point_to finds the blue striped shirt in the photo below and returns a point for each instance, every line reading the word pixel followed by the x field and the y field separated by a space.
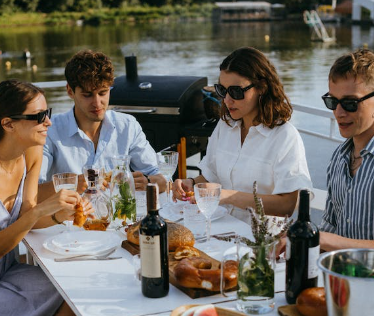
pixel 350 200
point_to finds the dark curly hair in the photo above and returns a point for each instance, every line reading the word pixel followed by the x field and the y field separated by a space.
pixel 359 63
pixel 14 97
pixel 89 70
pixel 274 106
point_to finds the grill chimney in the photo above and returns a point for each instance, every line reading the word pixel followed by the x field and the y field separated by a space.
pixel 131 67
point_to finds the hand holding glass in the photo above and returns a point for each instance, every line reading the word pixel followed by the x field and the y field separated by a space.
pixel 66 181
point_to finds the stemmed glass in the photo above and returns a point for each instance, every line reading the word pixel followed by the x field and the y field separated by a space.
pixel 167 164
pixel 207 197
pixel 67 181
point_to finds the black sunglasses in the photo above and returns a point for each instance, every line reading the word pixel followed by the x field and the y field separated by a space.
pixel 236 92
pixel 349 105
pixel 40 117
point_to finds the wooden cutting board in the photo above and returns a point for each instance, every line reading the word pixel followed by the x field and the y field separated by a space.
pixel 288 310
pixel 193 293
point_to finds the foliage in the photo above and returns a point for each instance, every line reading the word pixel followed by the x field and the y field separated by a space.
pixel 262 227
pixel 125 204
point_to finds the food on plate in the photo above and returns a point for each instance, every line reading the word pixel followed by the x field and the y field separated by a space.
pixel 312 301
pixel 79 217
pixel 185 252
pixel 201 310
pixel 178 235
pixel 196 272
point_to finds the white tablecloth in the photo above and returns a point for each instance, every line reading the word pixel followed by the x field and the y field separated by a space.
pixel 110 288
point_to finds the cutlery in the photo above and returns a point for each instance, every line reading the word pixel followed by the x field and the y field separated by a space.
pixel 86 258
pixel 217 236
pixel 98 256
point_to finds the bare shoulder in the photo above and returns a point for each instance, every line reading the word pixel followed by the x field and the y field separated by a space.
pixel 33 157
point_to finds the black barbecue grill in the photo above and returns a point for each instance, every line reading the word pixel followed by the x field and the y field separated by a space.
pixel 167 108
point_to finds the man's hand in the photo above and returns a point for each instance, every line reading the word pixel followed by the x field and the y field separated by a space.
pixel 140 181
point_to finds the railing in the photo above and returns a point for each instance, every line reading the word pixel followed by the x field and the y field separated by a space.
pixel 321 113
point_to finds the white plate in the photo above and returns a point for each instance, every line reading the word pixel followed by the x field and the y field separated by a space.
pixel 82 243
pixel 174 211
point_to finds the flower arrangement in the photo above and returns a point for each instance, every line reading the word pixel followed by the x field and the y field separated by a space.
pixel 265 230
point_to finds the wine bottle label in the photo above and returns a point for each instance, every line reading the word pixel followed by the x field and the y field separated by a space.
pixel 312 262
pixel 150 256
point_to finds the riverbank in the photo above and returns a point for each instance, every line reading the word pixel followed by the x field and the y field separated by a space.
pixel 130 14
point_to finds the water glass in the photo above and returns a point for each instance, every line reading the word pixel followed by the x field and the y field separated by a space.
pixel 194 220
pixel 137 267
pixel 141 204
pixel 207 197
pixel 167 162
pixel 66 181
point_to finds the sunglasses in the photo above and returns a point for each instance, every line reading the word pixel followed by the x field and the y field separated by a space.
pixel 40 117
pixel 349 105
pixel 235 92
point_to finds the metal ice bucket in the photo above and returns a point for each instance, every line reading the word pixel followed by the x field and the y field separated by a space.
pixel 349 281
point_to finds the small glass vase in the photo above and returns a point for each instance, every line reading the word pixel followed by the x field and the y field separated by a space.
pixel 256 280
pixel 122 188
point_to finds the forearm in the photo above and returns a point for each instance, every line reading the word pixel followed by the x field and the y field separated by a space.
pixel 277 204
pixel 329 242
pixel 45 190
pixel 11 236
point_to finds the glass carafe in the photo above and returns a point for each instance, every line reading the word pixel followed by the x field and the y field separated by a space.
pixel 100 203
pixel 123 191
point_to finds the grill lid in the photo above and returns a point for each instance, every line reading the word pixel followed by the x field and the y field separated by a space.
pixel 166 91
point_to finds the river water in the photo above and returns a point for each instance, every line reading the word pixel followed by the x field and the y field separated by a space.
pixel 184 49
pixel 193 49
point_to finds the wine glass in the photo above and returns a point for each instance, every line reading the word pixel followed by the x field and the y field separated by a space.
pixel 167 164
pixel 207 197
pixel 66 181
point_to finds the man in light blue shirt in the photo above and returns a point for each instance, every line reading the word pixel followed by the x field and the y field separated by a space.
pixel 90 134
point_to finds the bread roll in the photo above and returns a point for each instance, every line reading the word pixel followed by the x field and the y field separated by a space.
pixel 185 252
pixel 312 302
pixel 196 272
pixel 178 235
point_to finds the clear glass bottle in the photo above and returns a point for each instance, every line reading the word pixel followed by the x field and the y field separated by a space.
pixel 122 189
pixel 100 203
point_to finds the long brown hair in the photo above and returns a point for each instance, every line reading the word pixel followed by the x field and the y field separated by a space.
pixel 14 97
pixel 274 106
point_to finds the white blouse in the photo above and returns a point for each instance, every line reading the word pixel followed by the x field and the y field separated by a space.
pixel 275 158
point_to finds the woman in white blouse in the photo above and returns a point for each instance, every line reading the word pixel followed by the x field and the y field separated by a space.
pixel 253 141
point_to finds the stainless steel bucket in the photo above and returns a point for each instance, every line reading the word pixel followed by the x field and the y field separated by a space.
pixel 349 281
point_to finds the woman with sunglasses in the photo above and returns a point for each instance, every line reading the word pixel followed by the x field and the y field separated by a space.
pixel 253 141
pixel 25 289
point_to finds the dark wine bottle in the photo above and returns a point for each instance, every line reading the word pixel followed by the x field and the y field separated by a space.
pixel 154 248
pixel 302 252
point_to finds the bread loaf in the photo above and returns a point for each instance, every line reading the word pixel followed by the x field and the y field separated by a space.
pixel 178 235
pixel 312 301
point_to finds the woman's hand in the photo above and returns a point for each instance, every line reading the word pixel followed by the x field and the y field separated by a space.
pixel 180 189
pixel 281 247
pixel 62 202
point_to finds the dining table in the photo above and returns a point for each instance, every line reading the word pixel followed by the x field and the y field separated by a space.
pixel 109 287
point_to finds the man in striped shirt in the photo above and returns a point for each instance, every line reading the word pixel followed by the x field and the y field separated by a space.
pixel 348 221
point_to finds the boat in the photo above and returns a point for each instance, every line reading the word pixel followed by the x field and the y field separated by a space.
pixel 247 11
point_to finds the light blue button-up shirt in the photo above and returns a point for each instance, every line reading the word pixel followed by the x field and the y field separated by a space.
pixel 68 148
